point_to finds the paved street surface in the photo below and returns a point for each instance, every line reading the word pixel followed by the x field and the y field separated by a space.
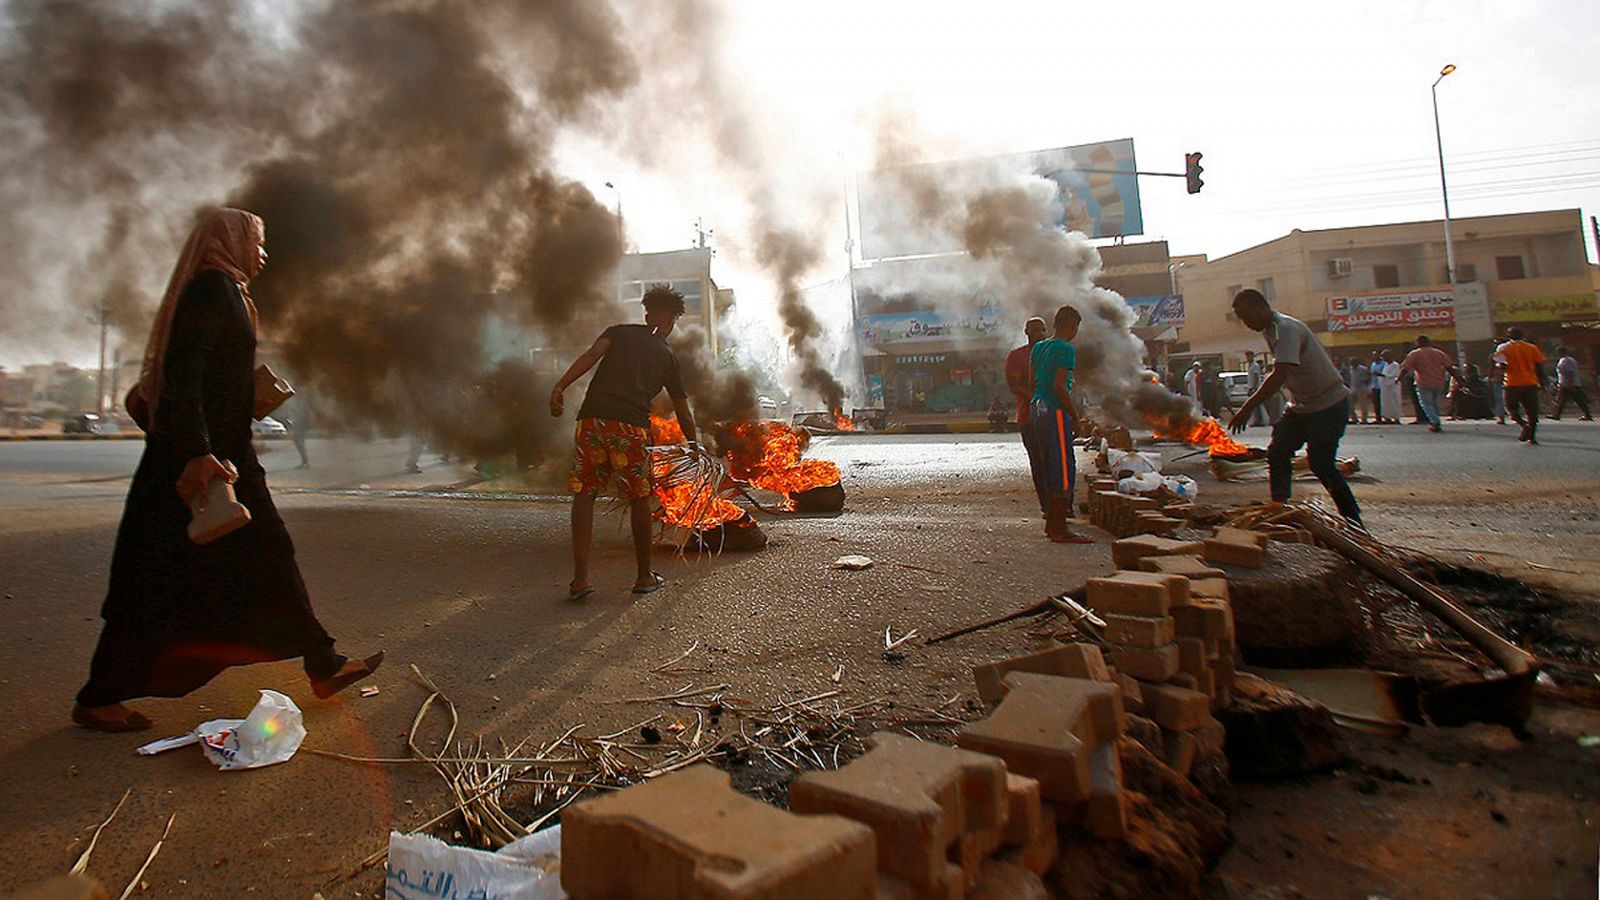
pixel 465 578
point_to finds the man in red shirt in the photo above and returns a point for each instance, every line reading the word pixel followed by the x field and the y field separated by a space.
pixel 1430 367
pixel 1019 378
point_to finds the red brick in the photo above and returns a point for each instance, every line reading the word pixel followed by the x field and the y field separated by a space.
pixel 1023 810
pixel 1064 660
pixel 1176 708
pixel 63 887
pixel 1149 664
pixel 919 798
pixel 1215 588
pixel 1132 697
pixel 1040 854
pixel 973 849
pixel 1139 631
pixel 1187 566
pixel 1192 655
pixel 690 835
pixel 1210 737
pixel 1107 812
pixel 1241 536
pixel 1181 750
pixel 1127 594
pixel 1177 585
pixel 1005 881
pixel 952 886
pixel 1235 552
pixel 1185 680
pixel 1127 552
pixel 1205 618
pixel 1045 729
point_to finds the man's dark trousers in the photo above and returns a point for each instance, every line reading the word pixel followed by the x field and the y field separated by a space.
pixel 1035 464
pixel 1319 432
pixel 1525 397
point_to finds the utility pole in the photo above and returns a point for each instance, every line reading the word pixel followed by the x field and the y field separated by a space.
pixel 100 318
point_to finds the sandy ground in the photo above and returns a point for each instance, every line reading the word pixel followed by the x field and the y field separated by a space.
pixel 471 592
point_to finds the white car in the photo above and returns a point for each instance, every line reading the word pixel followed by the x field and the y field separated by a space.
pixel 267 426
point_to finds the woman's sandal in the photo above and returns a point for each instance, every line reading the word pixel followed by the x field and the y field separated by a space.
pixel 133 721
pixel 658 581
pixel 575 593
pixel 341 680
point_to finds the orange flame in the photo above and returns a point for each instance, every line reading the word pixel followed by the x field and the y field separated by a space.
pixel 769 456
pixel 842 421
pixel 664 430
pixel 1207 433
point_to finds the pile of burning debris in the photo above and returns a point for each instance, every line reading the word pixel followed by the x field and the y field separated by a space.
pixel 695 487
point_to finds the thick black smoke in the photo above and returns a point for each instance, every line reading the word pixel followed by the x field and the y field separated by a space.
pixel 400 154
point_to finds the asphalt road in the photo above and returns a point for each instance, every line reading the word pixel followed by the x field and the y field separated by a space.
pixel 446 573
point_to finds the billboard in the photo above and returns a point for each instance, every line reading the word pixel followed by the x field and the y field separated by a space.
pixel 1097 191
pixel 1419 309
pixel 917 326
pixel 1159 311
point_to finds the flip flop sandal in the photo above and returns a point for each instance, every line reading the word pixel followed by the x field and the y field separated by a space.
pixel 133 721
pixel 579 593
pixel 658 584
pixel 326 689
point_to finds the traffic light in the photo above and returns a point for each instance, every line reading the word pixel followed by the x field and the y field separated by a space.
pixel 1192 170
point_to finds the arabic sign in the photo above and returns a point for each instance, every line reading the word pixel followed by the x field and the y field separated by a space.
pixel 1159 311
pixel 1566 308
pixel 928 325
pixel 1098 194
pixel 1422 309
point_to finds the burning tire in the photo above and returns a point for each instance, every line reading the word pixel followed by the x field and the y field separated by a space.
pixel 742 535
pixel 828 498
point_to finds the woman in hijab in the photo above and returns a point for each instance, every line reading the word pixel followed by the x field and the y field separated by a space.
pixel 177 613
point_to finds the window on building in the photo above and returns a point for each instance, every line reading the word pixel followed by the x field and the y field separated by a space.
pixel 1386 276
pixel 1464 272
pixel 1509 268
pixel 1233 291
pixel 1268 289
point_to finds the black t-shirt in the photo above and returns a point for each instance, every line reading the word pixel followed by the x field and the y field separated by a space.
pixel 635 369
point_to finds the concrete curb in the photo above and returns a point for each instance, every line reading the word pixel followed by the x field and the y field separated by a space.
pixel 944 428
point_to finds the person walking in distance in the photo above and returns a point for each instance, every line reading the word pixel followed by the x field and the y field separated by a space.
pixel 1497 383
pixel 613 432
pixel 1431 368
pixel 1569 386
pixel 1524 380
pixel 1019 378
pixel 178 612
pixel 1361 389
pixel 1191 382
pixel 1054 418
pixel 1376 370
pixel 1253 374
pixel 1320 409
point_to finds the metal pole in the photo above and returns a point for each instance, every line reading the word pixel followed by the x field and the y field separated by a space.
pixel 100 379
pixel 1444 189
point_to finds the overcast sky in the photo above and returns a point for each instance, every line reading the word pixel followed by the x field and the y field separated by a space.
pixel 1309 115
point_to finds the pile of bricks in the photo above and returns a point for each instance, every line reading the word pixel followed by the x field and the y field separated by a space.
pixel 1128 514
pixel 983 819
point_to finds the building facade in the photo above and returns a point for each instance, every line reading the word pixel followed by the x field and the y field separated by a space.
pixel 1378 287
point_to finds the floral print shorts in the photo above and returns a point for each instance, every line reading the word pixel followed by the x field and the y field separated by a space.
pixel 602 448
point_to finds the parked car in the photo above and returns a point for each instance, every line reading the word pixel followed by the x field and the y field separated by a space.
pixel 267 426
pixel 1237 384
pixel 769 408
pixel 88 423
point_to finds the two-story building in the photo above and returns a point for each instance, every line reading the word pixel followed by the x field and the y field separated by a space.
pixel 1377 287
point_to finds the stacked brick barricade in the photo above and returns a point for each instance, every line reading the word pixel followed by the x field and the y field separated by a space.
pixel 1099 772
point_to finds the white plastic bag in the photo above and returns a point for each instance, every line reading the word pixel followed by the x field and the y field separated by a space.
pixel 422 866
pixel 1181 486
pixel 1146 483
pixel 1133 462
pixel 269 735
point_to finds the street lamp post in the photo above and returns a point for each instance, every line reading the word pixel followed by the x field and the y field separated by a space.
pixel 1444 187
pixel 618 192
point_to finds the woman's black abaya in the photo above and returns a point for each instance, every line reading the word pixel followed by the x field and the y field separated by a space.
pixel 177 613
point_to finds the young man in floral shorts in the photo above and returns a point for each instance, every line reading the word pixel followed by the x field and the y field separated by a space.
pixel 613 433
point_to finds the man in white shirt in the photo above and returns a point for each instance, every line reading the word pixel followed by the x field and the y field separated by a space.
pixel 1569 386
pixel 1320 409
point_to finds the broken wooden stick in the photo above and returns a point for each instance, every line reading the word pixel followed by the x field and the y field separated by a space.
pixel 1043 606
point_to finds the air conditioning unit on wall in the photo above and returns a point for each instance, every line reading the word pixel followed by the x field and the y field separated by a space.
pixel 1340 267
